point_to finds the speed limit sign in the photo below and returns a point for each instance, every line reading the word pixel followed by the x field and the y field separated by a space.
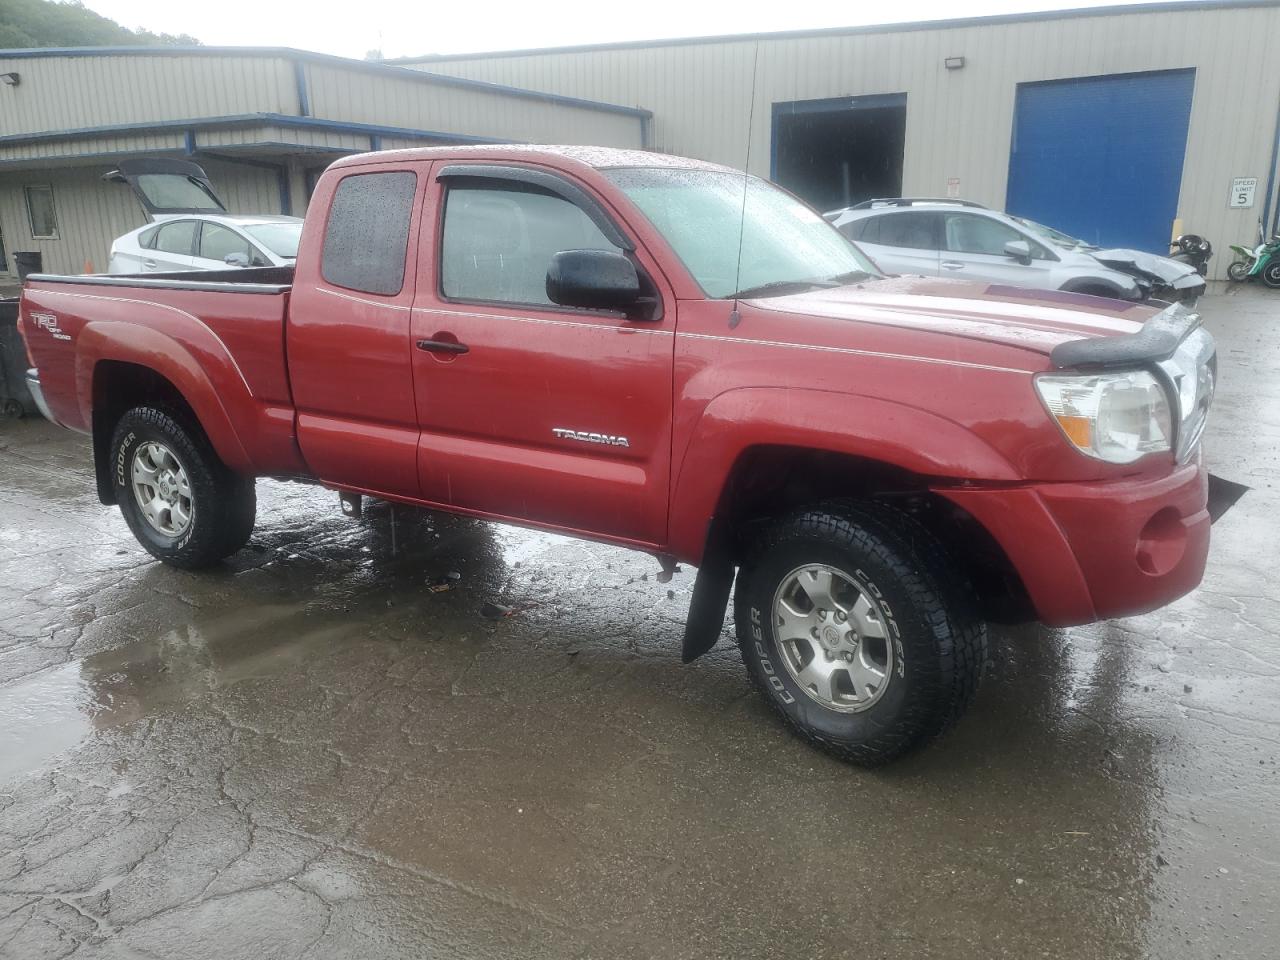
pixel 1242 189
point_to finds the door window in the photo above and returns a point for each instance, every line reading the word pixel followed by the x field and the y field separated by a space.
pixel 178 237
pixel 218 242
pixel 967 233
pixel 912 229
pixel 367 237
pixel 498 242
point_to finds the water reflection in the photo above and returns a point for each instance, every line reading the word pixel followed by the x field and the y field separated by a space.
pixel 41 717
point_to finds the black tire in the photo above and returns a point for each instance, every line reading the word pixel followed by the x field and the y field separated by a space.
pixel 1271 274
pixel 222 504
pixel 1238 271
pixel 927 608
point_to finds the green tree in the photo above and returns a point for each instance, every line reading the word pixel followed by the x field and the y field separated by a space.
pixel 67 23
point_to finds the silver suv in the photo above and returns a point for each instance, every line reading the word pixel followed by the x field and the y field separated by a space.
pixel 963 239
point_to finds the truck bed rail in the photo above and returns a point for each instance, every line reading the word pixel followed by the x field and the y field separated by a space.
pixel 240 280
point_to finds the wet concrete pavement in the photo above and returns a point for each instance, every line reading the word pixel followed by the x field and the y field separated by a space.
pixel 309 754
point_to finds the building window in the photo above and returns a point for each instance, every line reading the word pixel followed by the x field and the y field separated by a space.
pixel 40 212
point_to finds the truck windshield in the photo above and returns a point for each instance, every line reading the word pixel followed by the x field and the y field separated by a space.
pixel 785 246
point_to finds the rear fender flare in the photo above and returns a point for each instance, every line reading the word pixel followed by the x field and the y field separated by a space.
pixel 178 363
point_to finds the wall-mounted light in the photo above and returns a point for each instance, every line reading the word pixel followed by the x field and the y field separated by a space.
pixel 953 63
pixel 12 79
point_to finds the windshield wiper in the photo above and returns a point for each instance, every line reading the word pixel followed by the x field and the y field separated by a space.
pixel 852 276
pixel 778 288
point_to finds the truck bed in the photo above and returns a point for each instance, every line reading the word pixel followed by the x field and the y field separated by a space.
pixel 217 336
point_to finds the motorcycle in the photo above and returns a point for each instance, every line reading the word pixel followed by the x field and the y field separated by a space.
pixel 1262 261
pixel 1193 250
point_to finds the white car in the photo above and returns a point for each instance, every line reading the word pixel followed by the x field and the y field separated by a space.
pixel 191 229
pixel 207 243
pixel 962 239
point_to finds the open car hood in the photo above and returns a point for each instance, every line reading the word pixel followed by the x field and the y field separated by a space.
pixel 167 187
pixel 1171 273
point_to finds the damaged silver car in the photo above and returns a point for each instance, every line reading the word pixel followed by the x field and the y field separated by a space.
pixel 963 239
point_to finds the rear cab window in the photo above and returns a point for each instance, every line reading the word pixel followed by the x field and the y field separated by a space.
pixel 366 239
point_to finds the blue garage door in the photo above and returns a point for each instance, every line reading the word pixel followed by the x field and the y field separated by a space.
pixel 1101 157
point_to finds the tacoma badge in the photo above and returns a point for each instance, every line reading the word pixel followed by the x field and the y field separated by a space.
pixel 606 438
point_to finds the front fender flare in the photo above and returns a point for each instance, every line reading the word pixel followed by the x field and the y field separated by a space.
pixel 895 434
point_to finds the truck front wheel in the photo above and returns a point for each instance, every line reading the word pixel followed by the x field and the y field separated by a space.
pixel 181 502
pixel 858 631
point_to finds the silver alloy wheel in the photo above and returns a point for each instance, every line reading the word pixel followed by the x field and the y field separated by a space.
pixel 161 489
pixel 832 637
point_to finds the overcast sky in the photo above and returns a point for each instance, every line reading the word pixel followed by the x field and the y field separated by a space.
pixel 402 28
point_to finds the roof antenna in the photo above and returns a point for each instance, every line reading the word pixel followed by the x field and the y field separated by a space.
pixel 735 317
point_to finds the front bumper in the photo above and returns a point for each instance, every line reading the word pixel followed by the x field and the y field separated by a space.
pixel 1093 551
pixel 37 394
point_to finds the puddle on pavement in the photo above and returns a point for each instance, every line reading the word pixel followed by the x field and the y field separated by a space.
pixel 40 717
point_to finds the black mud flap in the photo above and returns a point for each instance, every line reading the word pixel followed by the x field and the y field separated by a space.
pixel 1223 495
pixel 710 595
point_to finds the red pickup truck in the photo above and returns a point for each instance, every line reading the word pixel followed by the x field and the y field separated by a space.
pixel 667 355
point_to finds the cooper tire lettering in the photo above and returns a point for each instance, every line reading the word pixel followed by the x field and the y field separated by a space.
pixel 925 607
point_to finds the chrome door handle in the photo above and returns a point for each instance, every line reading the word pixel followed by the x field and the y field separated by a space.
pixel 149 264
pixel 953 264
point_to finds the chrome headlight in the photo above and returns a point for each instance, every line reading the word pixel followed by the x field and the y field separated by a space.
pixel 1116 417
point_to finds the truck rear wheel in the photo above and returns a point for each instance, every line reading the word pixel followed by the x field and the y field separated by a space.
pixel 857 630
pixel 181 502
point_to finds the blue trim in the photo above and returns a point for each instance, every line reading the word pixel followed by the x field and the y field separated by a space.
pixel 301 56
pixel 375 143
pixel 300 81
pixel 825 105
pixel 189 142
pixel 282 181
pixel 248 119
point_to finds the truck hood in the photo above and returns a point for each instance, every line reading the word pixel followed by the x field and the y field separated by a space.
pixel 1033 320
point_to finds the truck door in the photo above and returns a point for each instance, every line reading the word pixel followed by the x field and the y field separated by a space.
pixel 348 330
pixel 530 410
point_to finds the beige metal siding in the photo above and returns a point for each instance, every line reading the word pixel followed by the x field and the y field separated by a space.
pixel 72 93
pixel 959 123
pixel 92 213
pixel 89 217
pixel 383 99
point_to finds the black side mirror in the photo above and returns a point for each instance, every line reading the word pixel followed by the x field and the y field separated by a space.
pixel 236 259
pixel 602 279
pixel 1020 250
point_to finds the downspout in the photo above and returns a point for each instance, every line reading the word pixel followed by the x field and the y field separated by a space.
pixel 300 81
pixel 1270 215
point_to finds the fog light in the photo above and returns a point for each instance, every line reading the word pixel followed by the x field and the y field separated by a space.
pixel 1161 543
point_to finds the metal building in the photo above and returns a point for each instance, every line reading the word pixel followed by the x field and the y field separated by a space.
pixel 262 122
pixel 1119 124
